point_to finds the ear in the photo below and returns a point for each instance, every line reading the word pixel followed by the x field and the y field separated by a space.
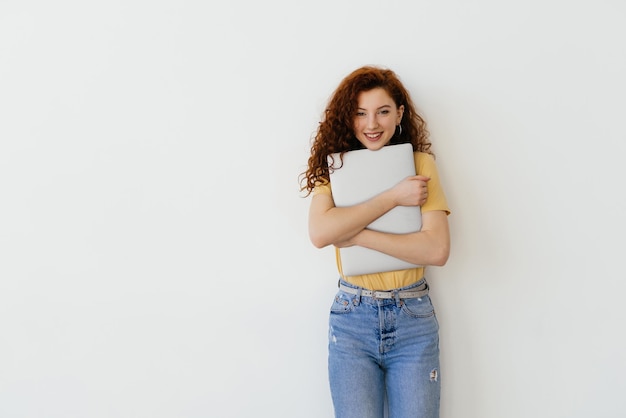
pixel 400 113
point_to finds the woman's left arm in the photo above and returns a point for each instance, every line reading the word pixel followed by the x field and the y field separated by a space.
pixel 428 247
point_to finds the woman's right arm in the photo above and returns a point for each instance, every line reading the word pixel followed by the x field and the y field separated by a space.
pixel 329 224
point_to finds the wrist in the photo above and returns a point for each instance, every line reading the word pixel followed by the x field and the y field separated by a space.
pixel 389 200
pixel 361 238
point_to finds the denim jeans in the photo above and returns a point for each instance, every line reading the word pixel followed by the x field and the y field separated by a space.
pixel 383 353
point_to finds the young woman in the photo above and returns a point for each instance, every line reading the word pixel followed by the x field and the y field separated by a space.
pixel 383 334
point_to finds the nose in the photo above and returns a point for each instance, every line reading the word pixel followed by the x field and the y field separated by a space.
pixel 372 121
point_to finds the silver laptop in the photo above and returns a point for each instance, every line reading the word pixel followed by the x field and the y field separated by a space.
pixel 363 175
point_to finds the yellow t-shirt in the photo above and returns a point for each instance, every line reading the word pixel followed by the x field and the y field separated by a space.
pixel 424 165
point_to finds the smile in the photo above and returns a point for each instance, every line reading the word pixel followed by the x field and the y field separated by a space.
pixel 374 136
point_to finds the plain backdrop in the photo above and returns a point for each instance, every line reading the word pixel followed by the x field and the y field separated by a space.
pixel 154 254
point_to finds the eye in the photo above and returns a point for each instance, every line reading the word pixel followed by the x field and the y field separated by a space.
pixel 360 114
pixel 384 112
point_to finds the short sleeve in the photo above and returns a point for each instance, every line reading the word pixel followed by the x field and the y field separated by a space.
pixel 322 187
pixel 425 165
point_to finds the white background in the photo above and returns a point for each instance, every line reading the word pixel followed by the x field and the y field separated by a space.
pixel 154 256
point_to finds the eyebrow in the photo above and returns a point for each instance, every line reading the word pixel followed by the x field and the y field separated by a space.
pixel 361 108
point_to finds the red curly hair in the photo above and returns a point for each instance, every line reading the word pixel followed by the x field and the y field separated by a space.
pixel 335 132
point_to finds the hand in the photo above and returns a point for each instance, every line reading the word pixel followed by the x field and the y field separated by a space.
pixel 345 244
pixel 352 241
pixel 412 191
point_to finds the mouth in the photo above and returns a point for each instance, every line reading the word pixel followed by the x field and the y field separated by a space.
pixel 373 136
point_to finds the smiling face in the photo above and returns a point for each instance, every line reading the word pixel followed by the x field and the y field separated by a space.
pixel 376 119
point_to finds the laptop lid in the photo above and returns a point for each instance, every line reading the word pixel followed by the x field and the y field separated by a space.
pixel 363 175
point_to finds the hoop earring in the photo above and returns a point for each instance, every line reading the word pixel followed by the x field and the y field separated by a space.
pixel 400 130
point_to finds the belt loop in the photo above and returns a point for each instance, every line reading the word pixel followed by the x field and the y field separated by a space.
pixel 357 299
pixel 396 295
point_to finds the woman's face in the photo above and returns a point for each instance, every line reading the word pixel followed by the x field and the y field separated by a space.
pixel 376 118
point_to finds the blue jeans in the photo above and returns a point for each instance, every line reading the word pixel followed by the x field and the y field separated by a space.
pixel 383 352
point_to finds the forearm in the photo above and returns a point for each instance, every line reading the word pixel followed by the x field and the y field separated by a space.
pixel 426 247
pixel 331 225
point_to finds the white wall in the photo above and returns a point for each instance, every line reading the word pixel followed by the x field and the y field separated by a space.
pixel 147 145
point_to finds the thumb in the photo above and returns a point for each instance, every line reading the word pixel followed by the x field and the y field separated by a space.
pixel 422 178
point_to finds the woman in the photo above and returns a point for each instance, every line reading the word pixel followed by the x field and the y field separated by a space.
pixel 383 334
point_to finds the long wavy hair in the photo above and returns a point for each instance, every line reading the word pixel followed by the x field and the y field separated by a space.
pixel 335 132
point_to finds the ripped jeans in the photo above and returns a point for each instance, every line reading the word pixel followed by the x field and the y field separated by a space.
pixel 383 353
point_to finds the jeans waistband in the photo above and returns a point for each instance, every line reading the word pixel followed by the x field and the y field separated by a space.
pixel 417 292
